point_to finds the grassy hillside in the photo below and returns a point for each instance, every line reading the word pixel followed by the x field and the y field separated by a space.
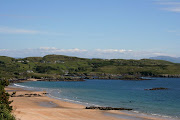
pixel 59 65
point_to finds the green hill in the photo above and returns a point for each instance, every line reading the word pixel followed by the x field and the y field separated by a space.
pixel 55 66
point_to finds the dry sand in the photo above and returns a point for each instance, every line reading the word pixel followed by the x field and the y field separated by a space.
pixel 46 108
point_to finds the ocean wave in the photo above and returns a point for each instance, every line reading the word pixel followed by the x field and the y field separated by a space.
pixel 72 101
pixel 154 115
pixel 16 85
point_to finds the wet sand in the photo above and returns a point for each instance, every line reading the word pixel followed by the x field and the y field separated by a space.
pixel 46 108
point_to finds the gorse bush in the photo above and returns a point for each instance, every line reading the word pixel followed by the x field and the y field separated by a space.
pixel 5 108
pixel 4 96
pixel 5 113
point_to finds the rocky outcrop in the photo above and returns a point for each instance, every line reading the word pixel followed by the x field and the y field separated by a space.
pixel 106 108
pixel 29 95
pixel 61 79
pixel 160 88
pixel 14 80
pixel 168 76
pixel 48 79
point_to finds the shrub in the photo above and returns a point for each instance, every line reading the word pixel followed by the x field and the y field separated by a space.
pixel 5 113
pixel 5 108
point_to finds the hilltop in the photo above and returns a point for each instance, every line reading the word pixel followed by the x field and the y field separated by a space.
pixel 167 58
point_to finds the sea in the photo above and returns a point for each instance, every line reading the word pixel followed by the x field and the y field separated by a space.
pixel 117 93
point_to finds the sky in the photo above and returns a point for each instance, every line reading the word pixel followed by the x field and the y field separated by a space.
pixel 125 29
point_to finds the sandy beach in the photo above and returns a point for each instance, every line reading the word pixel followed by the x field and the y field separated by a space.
pixel 42 107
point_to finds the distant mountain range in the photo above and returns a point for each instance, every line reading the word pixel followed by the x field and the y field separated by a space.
pixel 167 58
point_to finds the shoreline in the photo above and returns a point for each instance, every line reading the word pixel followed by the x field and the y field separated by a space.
pixel 45 108
pixel 85 78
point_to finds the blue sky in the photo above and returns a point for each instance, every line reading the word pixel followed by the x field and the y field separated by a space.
pixel 90 28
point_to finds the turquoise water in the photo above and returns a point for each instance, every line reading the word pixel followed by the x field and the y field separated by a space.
pixel 118 93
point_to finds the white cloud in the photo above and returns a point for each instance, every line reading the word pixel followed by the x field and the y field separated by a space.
pixel 17 31
pixel 48 48
pixel 3 50
pixel 172 9
pixel 97 53
pixel 170 5
pixel 22 16
pixel 176 32
pixel 113 50
pixel 53 49
pixel 7 30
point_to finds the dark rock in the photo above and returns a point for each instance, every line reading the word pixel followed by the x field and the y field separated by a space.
pixel 160 88
pixel 27 95
pixel 20 96
pixel 107 108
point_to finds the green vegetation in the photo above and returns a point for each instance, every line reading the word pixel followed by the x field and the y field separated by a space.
pixel 56 66
pixel 5 108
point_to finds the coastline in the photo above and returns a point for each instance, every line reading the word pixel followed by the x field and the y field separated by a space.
pixel 45 108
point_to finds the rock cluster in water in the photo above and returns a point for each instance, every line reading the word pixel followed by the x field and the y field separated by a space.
pixel 28 95
pixel 160 88
pixel 107 108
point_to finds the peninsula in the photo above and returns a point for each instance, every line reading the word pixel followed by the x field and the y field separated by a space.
pixel 67 68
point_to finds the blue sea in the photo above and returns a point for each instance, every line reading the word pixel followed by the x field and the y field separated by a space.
pixel 118 93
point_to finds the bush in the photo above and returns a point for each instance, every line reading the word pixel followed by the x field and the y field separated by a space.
pixel 5 113
pixel 5 108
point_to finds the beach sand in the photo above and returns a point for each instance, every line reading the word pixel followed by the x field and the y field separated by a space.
pixel 46 108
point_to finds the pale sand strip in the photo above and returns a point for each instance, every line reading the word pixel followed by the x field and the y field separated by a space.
pixel 31 108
